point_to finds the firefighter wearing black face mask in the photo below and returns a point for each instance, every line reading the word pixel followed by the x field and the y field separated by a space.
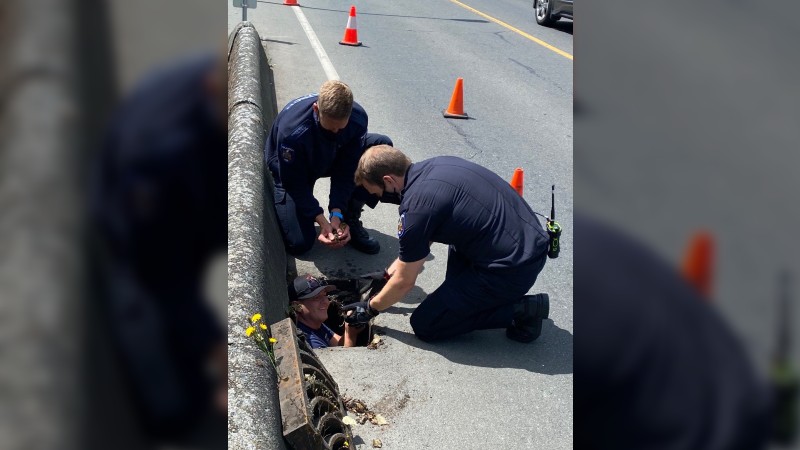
pixel 315 136
pixel 497 247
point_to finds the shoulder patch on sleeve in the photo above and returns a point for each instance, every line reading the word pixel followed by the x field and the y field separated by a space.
pixel 287 154
pixel 401 225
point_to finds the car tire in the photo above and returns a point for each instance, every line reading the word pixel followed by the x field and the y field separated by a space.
pixel 543 10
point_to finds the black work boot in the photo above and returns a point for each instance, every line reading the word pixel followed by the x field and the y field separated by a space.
pixel 359 238
pixel 528 315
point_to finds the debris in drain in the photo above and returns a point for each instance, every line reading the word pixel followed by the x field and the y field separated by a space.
pixel 376 443
pixel 376 342
pixel 362 412
pixel 354 405
pixel 349 421
pixel 379 420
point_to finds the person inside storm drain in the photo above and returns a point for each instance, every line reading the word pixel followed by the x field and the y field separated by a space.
pixel 316 136
pixel 497 246
pixel 309 299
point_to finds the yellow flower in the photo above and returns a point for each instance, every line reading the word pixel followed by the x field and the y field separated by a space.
pixel 256 317
pixel 263 327
pixel 250 331
pixel 272 340
pixel 346 444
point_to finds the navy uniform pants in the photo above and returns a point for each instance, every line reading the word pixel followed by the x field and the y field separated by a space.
pixel 472 299
pixel 299 233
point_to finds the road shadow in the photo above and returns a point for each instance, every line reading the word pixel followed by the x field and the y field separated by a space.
pixel 564 26
pixel 277 41
pixel 414 297
pixel 348 262
pixel 551 354
pixel 347 10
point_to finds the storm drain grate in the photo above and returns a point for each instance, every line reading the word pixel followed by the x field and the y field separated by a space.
pixel 311 408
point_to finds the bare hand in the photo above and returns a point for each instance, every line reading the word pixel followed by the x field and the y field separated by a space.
pixel 329 236
pixel 325 234
pixel 342 230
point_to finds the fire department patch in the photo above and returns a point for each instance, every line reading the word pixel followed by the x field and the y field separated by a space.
pixel 401 225
pixel 287 154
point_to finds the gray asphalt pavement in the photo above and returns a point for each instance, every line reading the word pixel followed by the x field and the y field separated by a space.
pixel 725 161
pixel 481 390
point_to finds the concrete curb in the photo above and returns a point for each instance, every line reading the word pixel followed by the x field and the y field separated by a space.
pixel 256 259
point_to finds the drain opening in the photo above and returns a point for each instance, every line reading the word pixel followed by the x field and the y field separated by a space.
pixel 351 290
pixel 338 442
pixel 312 375
pixel 321 406
pixel 336 323
pixel 330 424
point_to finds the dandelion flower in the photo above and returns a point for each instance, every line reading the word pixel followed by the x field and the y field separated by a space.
pixel 256 317
pixel 272 340
pixel 263 327
pixel 250 331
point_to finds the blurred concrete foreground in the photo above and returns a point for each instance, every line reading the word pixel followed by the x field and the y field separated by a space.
pixel 41 220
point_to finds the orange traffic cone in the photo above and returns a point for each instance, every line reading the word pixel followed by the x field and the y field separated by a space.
pixel 517 179
pixel 456 108
pixel 351 31
pixel 698 263
pixel 291 3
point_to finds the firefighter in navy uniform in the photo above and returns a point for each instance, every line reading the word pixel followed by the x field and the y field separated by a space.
pixel 159 202
pixel 316 136
pixel 497 246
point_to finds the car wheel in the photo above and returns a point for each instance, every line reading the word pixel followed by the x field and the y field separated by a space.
pixel 544 10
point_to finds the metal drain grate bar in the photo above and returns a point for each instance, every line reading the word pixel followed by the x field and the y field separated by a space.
pixel 303 380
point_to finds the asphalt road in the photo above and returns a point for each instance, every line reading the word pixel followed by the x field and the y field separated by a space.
pixel 480 390
pixel 697 152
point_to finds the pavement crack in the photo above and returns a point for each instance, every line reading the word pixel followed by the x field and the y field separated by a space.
pixel 533 72
pixel 526 67
pixel 467 140
pixel 497 33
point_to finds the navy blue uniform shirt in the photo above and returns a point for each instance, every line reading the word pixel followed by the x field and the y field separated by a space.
pixel 160 190
pixel 319 338
pixel 159 201
pixel 299 152
pixel 452 201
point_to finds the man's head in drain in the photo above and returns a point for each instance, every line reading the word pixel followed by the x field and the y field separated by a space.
pixel 309 300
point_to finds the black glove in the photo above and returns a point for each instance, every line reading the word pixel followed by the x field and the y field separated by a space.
pixel 362 313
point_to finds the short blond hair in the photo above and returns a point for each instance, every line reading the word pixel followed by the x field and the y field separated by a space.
pixel 379 161
pixel 335 100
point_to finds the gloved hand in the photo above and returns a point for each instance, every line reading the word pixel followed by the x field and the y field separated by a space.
pixel 362 313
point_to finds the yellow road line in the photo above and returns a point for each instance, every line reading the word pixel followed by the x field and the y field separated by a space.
pixel 515 30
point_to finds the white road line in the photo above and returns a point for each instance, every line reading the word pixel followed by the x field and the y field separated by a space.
pixel 330 71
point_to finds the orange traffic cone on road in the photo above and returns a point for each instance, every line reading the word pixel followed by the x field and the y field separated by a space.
pixel 698 265
pixel 351 32
pixel 517 180
pixel 291 3
pixel 456 108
